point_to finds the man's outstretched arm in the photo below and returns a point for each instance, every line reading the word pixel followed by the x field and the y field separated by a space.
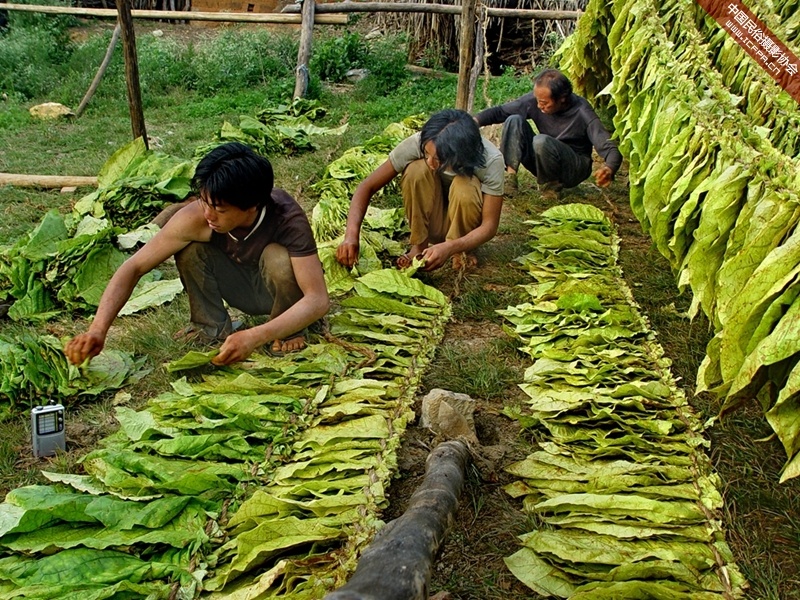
pixel 176 235
pixel 347 252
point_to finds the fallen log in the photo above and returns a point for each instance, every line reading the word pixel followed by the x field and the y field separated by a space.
pixel 397 564
pixel 46 181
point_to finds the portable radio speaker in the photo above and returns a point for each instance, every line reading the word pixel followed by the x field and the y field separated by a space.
pixel 47 429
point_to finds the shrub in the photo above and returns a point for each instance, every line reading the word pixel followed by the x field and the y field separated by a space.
pixel 386 63
pixel 30 59
pixel 333 57
pixel 240 59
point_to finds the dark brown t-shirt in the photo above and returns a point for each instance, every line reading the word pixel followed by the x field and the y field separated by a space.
pixel 284 223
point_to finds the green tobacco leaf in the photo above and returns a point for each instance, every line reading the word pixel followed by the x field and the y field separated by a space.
pixel 268 539
pixel 152 293
pixel 81 567
pixel 577 547
pixel 121 162
pixel 538 575
pixel 30 508
pixel 392 281
pixel 192 360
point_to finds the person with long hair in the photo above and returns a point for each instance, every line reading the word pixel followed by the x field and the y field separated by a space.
pixel 452 188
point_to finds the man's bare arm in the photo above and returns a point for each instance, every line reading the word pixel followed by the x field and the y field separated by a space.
pixel 186 226
pixel 347 252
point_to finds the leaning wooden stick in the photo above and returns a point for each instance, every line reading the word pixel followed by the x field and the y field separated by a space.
pixel 397 564
pixel 100 72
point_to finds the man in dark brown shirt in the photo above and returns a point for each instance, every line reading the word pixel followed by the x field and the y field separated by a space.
pixel 240 242
pixel 560 155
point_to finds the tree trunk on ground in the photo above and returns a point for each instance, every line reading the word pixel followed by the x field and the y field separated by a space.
pixel 397 564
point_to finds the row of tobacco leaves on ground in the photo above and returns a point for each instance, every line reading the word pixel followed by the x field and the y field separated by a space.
pixel 626 501
pixel 258 480
pixel 714 151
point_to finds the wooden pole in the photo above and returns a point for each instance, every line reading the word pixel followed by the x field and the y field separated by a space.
pixel 304 52
pixel 111 13
pixel 132 70
pixel 466 52
pixel 45 181
pixel 397 565
pixel 477 65
pixel 100 72
pixel 446 9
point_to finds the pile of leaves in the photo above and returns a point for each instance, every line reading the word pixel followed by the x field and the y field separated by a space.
pixel 714 151
pixel 623 492
pixel 34 370
pixel 381 226
pixel 263 480
pixel 60 265
pixel 281 129
pixel 135 184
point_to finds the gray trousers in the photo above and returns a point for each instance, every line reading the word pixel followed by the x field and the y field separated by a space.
pixel 211 278
pixel 546 157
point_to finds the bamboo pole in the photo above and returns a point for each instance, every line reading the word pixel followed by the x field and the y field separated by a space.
pixel 445 9
pixel 110 13
pixel 100 72
pixel 466 53
pixel 132 71
pixel 46 181
pixel 304 51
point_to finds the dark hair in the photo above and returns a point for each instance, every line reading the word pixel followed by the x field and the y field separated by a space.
pixel 459 146
pixel 560 87
pixel 233 173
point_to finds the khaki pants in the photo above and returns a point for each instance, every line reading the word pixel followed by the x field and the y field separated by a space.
pixel 436 212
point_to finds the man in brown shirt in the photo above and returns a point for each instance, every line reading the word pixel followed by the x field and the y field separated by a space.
pixel 240 242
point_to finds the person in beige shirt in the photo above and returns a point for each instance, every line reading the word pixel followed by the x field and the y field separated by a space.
pixel 452 188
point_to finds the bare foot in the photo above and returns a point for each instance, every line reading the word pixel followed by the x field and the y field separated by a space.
pixel 291 345
pixel 464 260
pixel 403 262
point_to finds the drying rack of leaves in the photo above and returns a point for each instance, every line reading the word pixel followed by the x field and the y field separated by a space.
pixel 264 480
pixel 714 151
pixel 623 492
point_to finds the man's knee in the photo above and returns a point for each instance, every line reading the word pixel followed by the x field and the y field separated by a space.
pixel 465 190
pixel 542 143
pixel 193 256
pixel 276 265
pixel 416 171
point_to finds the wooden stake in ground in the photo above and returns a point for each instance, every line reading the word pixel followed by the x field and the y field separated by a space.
pixel 100 72
pixel 466 53
pixel 397 564
pixel 131 70
pixel 304 52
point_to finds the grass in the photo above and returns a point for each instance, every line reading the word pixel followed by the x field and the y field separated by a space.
pixel 763 517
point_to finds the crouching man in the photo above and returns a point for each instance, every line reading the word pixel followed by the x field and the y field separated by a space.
pixel 242 242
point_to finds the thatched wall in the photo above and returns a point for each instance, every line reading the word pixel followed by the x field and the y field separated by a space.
pixel 520 43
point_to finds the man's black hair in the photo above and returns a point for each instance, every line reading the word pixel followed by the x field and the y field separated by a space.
pixel 459 146
pixel 560 87
pixel 233 173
